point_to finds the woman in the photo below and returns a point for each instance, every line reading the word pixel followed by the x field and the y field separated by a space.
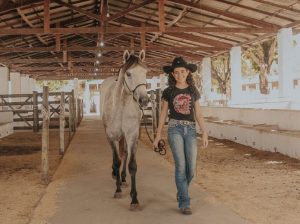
pixel 181 98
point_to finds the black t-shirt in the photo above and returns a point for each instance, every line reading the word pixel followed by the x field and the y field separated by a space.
pixel 181 102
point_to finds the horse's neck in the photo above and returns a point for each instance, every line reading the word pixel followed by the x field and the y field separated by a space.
pixel 119 91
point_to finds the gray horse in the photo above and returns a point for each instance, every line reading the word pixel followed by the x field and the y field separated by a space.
pixel 121 100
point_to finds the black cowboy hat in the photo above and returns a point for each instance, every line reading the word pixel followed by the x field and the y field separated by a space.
pixel 179 62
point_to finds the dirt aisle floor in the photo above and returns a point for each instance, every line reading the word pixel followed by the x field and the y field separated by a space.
pixel 82 189
pixel 20 176
pixel 261 187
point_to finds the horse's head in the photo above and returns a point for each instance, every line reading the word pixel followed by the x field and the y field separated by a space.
pixel 135 72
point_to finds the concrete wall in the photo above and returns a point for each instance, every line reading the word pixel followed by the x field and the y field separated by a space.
pixel 285 119
pixel 6 123
pixel 3 82
pixel 286 144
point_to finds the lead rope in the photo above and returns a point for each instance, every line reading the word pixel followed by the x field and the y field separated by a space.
pixel 161 144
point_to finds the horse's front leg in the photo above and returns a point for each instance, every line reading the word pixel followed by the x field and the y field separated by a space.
pixel 123 154
pixel 132 167
pixel 116 168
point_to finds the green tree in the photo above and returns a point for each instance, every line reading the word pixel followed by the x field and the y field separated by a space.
pixel 261 56
pixel 221 73
pixel 54 85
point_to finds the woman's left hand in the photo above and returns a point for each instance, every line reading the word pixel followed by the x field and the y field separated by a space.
pixel 204 140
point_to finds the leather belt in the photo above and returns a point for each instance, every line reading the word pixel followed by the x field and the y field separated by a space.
pixel 182 122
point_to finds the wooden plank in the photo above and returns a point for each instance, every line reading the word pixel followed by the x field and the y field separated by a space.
pixel 125 30
pixel 13 6
pixel 45 136
pixel 89 60
pixel 238 17
pixel 119 48
pixel 46 16
pixel 161 15
pixel 57 42
pixel 35 112
pixel 62 124
pixel 126 11
pixel 77 9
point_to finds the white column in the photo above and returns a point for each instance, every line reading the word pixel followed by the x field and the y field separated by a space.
pixel 3 80
pixel 76 87
pixel 87 98
pixel 285 66
pixel 25 88
pixel 15 81
pixel 236 74
pixel 206 74
pixel 33 85
pixel 163 82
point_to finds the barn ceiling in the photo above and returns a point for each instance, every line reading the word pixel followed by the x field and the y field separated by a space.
pixel 64 39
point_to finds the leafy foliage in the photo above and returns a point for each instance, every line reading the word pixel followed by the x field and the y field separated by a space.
pixel 54 85
pixel 221 73
pixel 258 59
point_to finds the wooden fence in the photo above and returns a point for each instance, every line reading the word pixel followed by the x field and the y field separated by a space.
pixel 36 111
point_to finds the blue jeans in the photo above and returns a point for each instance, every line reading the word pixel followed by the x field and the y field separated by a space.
pixel 183 143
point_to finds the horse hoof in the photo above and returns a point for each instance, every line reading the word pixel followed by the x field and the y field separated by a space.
pixel 118 195
pixel 135 207
pixel 124 184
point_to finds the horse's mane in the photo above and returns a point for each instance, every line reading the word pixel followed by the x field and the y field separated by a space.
pixel 132 60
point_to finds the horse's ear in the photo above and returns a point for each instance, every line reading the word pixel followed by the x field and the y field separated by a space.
pixel 126 56
pixel 142 55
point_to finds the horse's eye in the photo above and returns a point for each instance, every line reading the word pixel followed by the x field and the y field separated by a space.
pixel 128 74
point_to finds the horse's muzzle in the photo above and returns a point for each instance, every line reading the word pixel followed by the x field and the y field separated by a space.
pixel 143 101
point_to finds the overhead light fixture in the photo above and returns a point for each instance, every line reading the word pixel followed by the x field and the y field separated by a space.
pixel 101 44
pixel 97 62
pixel 96 69
pixel 99 54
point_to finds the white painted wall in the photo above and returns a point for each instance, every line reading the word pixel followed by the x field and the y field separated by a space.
pixel 285 119
pixel 258 139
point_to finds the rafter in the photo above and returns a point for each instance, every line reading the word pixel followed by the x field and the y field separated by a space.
pixel 13 6
pixel 119 48
pixel 202 6
pixel 126 11
pixel 150 29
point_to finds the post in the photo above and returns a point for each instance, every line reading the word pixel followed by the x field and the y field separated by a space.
pixel 62 124
pixel 70 113
pixel 154 126
pixel 74 111
pixel 45 135
pixel 35 112
pixel 158 103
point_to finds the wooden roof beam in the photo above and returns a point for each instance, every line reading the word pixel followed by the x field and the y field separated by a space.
pixel 118 48
pixel 161 15
pixel 150 29
pixel 13 6
pixel 204 7
pixel 255 10
pixel 126 11
pixel 76 60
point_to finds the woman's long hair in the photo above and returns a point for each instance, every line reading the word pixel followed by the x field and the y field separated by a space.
pixel 189 79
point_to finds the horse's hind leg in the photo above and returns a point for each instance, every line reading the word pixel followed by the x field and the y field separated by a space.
pixel 116 169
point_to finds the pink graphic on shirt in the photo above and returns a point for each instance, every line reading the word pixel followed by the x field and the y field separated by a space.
pixel 181 103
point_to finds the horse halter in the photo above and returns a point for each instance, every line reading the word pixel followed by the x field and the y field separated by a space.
pixel 132 91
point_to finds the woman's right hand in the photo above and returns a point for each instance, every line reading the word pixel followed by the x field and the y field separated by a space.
pixel 156 140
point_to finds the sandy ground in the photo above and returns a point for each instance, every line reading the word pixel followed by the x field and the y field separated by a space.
pixel 261 187
pixel 20 177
